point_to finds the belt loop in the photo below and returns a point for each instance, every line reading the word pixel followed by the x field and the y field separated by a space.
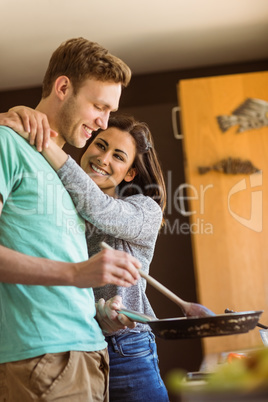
pixel 152 336
pixel 114 343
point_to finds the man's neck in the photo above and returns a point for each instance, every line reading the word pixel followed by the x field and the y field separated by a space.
pixel 47 108
pixel 59 141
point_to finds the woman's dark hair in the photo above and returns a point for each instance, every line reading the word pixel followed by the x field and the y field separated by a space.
pixel 149 178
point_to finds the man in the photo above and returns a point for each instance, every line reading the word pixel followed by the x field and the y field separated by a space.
pixel 51 346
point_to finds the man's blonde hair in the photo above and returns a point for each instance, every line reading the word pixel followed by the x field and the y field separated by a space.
pixel 80 59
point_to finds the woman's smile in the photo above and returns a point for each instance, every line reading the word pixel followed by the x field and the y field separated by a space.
pixel 98 170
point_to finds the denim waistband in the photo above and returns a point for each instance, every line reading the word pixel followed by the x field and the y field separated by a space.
pixel 117 340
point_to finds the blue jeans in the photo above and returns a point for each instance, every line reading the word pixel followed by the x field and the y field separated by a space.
pixel 134 371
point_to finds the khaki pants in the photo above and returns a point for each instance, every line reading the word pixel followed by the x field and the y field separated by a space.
pixel 68 376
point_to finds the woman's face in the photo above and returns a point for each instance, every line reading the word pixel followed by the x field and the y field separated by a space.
pixel 109 158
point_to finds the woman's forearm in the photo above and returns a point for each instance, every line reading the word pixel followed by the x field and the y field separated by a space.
pixel 55 156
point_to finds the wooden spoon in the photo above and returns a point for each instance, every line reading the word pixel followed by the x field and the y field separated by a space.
pixel 189 309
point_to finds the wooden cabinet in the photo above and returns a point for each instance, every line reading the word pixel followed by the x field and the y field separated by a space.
pixel 228 212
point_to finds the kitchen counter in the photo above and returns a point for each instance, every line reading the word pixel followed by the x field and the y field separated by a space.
pixel 195 385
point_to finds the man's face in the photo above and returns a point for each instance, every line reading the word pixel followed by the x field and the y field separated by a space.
pixel 87 111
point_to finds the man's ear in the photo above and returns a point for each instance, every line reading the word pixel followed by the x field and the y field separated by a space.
pixel 130 174
pixel 62 86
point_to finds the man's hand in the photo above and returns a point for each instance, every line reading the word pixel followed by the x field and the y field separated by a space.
pixel 107 317
pixel 108 266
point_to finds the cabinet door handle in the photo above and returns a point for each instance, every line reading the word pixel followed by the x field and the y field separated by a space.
pixel 174 111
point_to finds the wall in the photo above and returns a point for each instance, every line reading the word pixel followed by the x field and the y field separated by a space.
pixel 151 98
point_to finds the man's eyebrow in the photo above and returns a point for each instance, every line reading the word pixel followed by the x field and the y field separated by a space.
pixel 107 144
pixel 106 106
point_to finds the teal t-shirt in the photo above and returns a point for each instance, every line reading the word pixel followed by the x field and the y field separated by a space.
pixel 39 219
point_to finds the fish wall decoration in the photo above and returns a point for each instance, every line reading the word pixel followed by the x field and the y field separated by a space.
pixel 251 114
pixel 230 166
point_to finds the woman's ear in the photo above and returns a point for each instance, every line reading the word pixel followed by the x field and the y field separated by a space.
pixel 130 174
pixel 61 86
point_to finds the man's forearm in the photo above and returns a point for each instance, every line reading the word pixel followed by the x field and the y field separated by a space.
pixel 27 270
pixel 108 266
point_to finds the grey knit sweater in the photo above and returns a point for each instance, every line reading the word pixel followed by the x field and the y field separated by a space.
pixel 130 224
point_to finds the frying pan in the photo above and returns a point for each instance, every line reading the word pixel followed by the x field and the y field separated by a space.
pixel 198 327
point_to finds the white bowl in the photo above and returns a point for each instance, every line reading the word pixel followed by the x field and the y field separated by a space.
pixel 264 336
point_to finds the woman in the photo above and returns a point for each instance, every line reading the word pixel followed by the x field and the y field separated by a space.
pixel 119 190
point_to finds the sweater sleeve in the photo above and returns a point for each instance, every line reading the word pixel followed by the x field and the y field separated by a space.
pixel 128 218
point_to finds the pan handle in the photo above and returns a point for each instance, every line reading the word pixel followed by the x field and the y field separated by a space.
pixel 227 310
pixel 135 316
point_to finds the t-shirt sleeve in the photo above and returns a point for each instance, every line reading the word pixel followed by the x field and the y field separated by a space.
pixel 122 218
pixel 9 166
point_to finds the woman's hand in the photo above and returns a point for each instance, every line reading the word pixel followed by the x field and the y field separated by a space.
pixel 35 124
pixel 108 318
pixel 12 119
